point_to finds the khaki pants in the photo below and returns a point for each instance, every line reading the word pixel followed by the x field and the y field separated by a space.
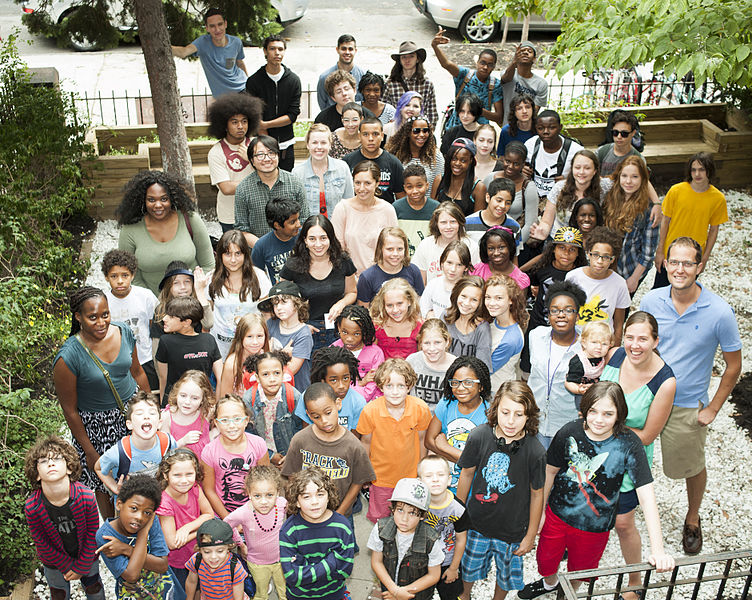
pixel 262 574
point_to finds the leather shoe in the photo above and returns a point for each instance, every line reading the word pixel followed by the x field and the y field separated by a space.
pixel 692 539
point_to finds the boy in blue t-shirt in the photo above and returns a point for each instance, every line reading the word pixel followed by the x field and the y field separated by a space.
pixel 271 250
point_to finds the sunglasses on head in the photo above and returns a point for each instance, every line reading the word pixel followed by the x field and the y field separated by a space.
pixel 617 133
pixel 417 130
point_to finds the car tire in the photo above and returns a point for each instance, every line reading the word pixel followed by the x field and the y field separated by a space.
pixel 473 29
pixel 77 40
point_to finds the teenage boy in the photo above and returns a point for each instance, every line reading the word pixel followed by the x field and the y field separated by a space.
pixel 340 87
pixel 132 544
pixel 346 51
pixel 371 135
pixel 607 292
pixel 181 348
pixel 499 198
pixel 520 79
pixel 610 156
pixel 221 55
pixel 549 153
pixel 279 89
pixel 63 519
pixel 131 304
pixel 415 210
pixel 271 251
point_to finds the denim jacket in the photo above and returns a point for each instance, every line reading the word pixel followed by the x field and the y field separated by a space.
pixel 285 425
pixel 338 184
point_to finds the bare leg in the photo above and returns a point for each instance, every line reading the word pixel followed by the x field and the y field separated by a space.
pixel 631 546
pixel 104 502
pixel 467 587
pixel 499 594
pixel 695 492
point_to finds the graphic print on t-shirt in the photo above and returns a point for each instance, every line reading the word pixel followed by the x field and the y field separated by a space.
pixel 456 435
pixel 444 525
pixel 334 466
pixel 582 470
pixel 496 474
pixel 593 310
pixel 233 480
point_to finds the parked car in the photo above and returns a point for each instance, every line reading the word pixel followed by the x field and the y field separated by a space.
pixel 463 15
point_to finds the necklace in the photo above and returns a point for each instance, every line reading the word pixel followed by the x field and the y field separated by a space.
pixel 261 527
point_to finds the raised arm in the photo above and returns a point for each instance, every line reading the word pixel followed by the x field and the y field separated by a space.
pixel 438 40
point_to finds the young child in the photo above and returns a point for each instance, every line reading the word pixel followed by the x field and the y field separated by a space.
pixel 63 518
pixel 396 314
pixel 455 263
pixel 131 304
pixel 586 366
pixel 132 544
pixel 178 282
pixel 505 305
pixel 503 472
pixel 251 337
pixel 288 330
pixel 215 567
pixel 261 519
pixel 465 396
pixel 466 320
pixel 448 517
pixel 392 259
pixel 415 209
pixel 587 461
pixel 393 429
pixel 499 198
pixel 139 452
pixel 497 256
pixel 431 362
pixel 184 349
pixel 357 335
pixel 187 415
pixel 316 544
pixel 183 509
pixel 226 459
pixel 407 553
pixel 272 403
pixel 607 292
pixel 272 249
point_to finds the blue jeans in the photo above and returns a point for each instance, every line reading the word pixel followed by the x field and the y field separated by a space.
pixel 58 585
pixel 352 526
pixel 324 337
pixel 178 582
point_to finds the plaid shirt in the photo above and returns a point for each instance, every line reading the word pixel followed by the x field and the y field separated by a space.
pixel 394 91
pixel 639 246
pixel 252 195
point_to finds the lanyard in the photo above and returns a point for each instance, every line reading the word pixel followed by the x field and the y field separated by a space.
pixel 550 376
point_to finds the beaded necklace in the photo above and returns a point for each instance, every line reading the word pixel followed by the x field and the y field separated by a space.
pixel 261 527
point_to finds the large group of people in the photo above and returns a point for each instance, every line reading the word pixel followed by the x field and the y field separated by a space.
pixel 393 324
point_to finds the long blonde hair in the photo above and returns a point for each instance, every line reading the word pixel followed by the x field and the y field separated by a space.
pixel 236 346
pixel 378 308
pixel 620 212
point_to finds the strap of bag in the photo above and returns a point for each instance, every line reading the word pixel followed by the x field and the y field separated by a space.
pixel 105 372
pixel 188 224
pixel 468 77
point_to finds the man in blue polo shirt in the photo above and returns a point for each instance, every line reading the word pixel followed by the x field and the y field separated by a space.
pixel 692 323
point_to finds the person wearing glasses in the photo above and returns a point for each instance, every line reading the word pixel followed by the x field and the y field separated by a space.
pixel 267 181
pixel 693 322
pixel 414 143
pixel 623 130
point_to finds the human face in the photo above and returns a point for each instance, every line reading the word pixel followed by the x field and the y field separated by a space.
pixel 233 259
pixel 562 323
pixel 461 162
pixel 409 61
pixel 586 218
pixel 680 276
pixel 622 143
pixel 253 342
pixel 365 186
pixel 313 502
pixel 464 114
pixel 285 308
pixel 347 51
pixel 498 253
pixel 158 205
pixel 144 421
pixel 448 226
pixel 466 395
pixel 263 496
pixel 415 189
pixel 396 305
pixel 513 164
pixel 264 160
pixel 698 173
pixel 601 419
pixel 600 258
pixel 338 377
pixel 499 205
pixel 639 343
pixel 189 398
pixel 436 476
pixel 630 180
pixel 434 346
pixel 342 93
pixel 215 556
pixel 484 66
pixel 351 121
pixel 317 241
pixel 94 317
pixel 351 334
pixel 469 299
pixel 290 228
pixel 134 513
pixel 120 279
pixel 237 128
pixel 182 286
pixel 596 347
pixel 371 93
pixel 485 141
pixel 395 390
pixel 406 517
pixel 171 324
pixel 583 171
pixel 497 301
pixel 393 252
pixel 216 27
pixel 525 55
pixel 411 109
pixel 547 128
pixel 324 414
pixel 182 476
pixel 231 420
pixel 371 135
pixel 274 53
pixel 524 112
pixel 452 267
pixel 52 468
pixel 270 374
pixel 565 256
pixel 319 145
pixel 511 419
pixel 424 131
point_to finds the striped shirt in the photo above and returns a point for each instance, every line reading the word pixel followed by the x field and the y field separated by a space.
pixel 217 584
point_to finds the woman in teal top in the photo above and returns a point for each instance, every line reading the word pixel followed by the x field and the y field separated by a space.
pixel 649 385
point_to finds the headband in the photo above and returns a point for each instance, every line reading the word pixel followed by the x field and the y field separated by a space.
pixel 502 228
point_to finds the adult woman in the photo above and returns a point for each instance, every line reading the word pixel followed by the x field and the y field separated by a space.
pixel 520 126
pixel 409 105
pixel 160 223
pixel 325 275
pixel 414 143
pixel 346 139
pixel 459 184
pixel 358 221
pixel 649 386
pixel 94 403
pixel 371 86
pixel 469 110
pixel 485 142
pixel 626 210
pixel 325 180
pixel 408 74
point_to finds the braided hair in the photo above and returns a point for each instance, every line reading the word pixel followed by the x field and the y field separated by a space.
pixel 252 362
pixel 76 301
pixel 481 372
pixel 333 355
pixel 361 316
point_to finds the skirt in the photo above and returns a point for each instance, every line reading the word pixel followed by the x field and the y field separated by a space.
pixel 104 429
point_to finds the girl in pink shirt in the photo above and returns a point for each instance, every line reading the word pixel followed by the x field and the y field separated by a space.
pixel 358 335
pixel 497 254
pixel 186 416
pixel 396 313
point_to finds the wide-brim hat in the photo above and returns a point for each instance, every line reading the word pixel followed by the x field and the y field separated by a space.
pixel 409 48
pixel 282 288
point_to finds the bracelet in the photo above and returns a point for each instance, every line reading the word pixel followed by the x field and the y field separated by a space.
pixel 656 204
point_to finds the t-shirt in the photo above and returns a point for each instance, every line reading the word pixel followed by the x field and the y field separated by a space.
pixel 563 215
pixel 435 297
pixel 217 584
pixel 332 119
pixel 345 460
pixel 302 347
pixel 505 137
pixel 452 134
pixel 391 182
pixel 480 89
pixel 476 343
pixel 371 280
pixel 320 293
pixel 270 254
pixel 456 427
pixel 604 296
pixel 430 384
pixel 404 541
pixel 348 415
pixel 585 493
pixel 506 347
pixel 476 227
pixel 547 166
pixel 184 352
pixel 261 532
pixel 543 278
pixel 142 461
pixel 220 64
pixel 135 310
pixel 230 469
pixel 433 170
pixel 428 255
pixel 534 86
pixel 182 514
pixel 608 159
pixel 64 523
pixel 482 269
pixel 227 163
pixel 499 498
pixel 414 222
pixel 358 230
pixel 448 519
pixel 693 212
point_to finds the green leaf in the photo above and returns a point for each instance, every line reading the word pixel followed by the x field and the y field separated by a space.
pixel 742 52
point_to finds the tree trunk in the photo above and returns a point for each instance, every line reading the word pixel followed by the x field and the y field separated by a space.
pixel 506 31
pixel 525 28
pixel 163 80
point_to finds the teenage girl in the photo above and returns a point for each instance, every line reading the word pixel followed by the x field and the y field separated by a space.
pixel 587 214
pixel 346 139
pixel 485 159
pixel 505 305
pixel 497 252
pixel 469 110
pixel 431 361
pixel 357 334
pixel 466 322
pixel 396 314
pixel 466 391
pixel 458 183
pixel 183 509
pixel 188 412
pixel 455 263
pixel 251 337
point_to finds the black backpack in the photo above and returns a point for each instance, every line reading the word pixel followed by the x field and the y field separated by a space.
pixel 249 584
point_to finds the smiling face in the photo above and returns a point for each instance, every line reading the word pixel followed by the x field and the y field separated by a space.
pixel 182 476
pixel 563 322
pixel 393 252
pixel 324 414
pixel 630 180
pixel 342 93
pixel 231 420
pixel 511 419
pixel 319 145
pixel 371 93
pixel 351 334
pixel 466 395
pixel 416 188
pixel 263 495
pixel 237 128
pixel 411 109
pixel 233 259
pixel 684 274
pixel 396 305
pixel 158 205
pixel 347 51
pixel 144 420
pixel 253 342
pixel 317 242
pixel 586 218
pixel 94 317
pixel 513 164
pixel 498 253
pixel 497 301
pixel 395 390
pixel 639 343
pixel 215 556
pixel 499 205
pixel 419 132
pixel 134 513
pixel 365 186
pixel 461 162
pixel 583 171
pixel 469 299
pixel 434 346
pixel 452 267
pixel 313 503
pixel 338 377
pixel 270 373
pixel 182 286
pixel 189 398
pixel 216 26
pixel 565 256
pixel 351 121
pixel 264 159
pixel 448 226
pixel 601 419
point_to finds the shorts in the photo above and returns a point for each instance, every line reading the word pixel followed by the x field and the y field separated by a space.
pixel 584 548
pixel 683 443
pixel 476 561
pixel 378 503
pixel 628 501
pixel 449 591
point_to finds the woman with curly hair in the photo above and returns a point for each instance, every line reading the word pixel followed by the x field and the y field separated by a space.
pixel 160 223
pixel 414 142
pixel 371 86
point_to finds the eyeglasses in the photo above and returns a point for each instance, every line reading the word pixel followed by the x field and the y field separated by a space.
pixel 617 133
pixel 684 263
pixel 465 383
pixel 562 311
pixel 603 257
pixel 417 130
pixel 264 155
pixel 229 420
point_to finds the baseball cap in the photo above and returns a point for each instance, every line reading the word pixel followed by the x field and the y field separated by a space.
pixel 568 235
pixel 465 143
pixel 528 44
pixel 283 288
pixel 219 532
pixel 411 491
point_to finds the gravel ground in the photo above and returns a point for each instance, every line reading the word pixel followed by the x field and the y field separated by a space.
pixel 726 510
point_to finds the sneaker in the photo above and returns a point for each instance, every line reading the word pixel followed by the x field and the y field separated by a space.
pixel 535 589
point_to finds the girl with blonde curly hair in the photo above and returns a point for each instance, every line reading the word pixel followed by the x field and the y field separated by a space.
pixel 396 313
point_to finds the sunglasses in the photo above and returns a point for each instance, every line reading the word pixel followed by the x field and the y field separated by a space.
pixel 617 133
pixel 417 130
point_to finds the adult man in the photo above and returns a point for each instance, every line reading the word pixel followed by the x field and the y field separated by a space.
pixel 279 88
pixel 266 182
pixel 692 322
pixel 231 118
pixel 371 135
pixel 221 55
pixel 346 49
pixel 478 82
pixel 340 87
pixel 520 79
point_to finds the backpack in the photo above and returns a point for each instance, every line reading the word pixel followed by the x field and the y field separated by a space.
pixel 561 160
pixel 249 585
pixel 449 111
pixel 289 396
pixel 125 453
pixel 638 141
